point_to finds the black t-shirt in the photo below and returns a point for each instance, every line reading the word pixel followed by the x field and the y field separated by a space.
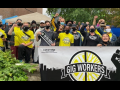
pixel 76 39
pixel 92 40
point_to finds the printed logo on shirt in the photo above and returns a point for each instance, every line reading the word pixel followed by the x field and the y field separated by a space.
pixel 93 37
pixel 25 37
pixel 76 36
pixel 66 40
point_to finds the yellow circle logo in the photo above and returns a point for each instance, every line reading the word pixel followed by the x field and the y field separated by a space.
pixel 85 66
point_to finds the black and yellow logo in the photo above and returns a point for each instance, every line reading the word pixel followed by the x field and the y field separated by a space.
pixel 25 37
pixel 66 40
pixel 85 66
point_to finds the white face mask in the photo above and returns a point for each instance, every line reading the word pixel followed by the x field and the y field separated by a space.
pixel 108 30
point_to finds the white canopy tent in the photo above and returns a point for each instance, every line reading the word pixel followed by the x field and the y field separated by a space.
pixel 30 17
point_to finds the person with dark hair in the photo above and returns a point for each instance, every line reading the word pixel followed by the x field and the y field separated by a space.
pixel 8 36
pixel 66 38
pixel 14 42
pixel 34 28
pixel 3 37
pixel 91 38
pixel 77 36
pixel 106 41
pixel 49 39
pixel 108 31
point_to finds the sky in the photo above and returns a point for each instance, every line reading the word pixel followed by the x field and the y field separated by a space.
pixel 44 12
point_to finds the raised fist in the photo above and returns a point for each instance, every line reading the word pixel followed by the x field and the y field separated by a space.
pixel 57 14
pixel 95 17
pixel 116 59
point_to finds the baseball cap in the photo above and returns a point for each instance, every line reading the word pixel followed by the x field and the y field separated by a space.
pixel 74 25
pixel 42 21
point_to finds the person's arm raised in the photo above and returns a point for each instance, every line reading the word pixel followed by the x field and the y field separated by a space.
pixel 94 20
pixel 82 30
pixel 11 29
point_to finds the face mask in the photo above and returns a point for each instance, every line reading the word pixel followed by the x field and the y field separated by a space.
pixel 92 30
pixel 70 25
pixel 19 24
pixel 62 23
pixel 0 25
pixel 34 25
pixel 108 30
pixel 67 31
pixel 47 27
pixel 25 28
pixel 41 26
pixel 73 29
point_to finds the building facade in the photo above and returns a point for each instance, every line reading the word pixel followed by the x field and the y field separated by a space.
pixel 9 12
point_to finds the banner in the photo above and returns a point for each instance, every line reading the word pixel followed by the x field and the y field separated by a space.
pixel 79 63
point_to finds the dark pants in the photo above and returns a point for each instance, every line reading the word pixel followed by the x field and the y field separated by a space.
pixel 6 42
pixel 14 50
pixel 2 48
pixel 23 49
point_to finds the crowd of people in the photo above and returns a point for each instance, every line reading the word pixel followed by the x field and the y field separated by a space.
pixel 24 38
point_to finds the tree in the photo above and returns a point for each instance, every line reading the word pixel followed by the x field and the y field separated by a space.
pixel 111 15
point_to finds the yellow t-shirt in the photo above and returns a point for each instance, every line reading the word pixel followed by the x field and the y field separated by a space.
pixel 16 41
pixel 24 38
pixel 110 35
pixel 2 32
pixel 65 39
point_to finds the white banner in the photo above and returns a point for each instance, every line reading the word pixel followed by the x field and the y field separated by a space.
pixel 80 60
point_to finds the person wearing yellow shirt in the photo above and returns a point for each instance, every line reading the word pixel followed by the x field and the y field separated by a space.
pixel 66 38
pixel 26 39
pixel 3 37
pixel 14 42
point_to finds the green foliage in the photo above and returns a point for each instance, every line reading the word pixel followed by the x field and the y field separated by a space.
pixel 9 71
pixel 87 14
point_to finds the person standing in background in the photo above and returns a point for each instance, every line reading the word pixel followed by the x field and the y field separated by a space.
pixel 8 36
pixel 33 28
pixel 3 37
pixel 14 42
pixel 37 44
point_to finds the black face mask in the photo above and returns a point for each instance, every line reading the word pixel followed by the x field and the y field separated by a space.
pixel 47 27
pixel 92 30
pixel 67 31
pixel 11 25
pixel 19 24
pixel 1 25
pixel 73 29
pixel 41 26
pixel 70 25
pixel 25 28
